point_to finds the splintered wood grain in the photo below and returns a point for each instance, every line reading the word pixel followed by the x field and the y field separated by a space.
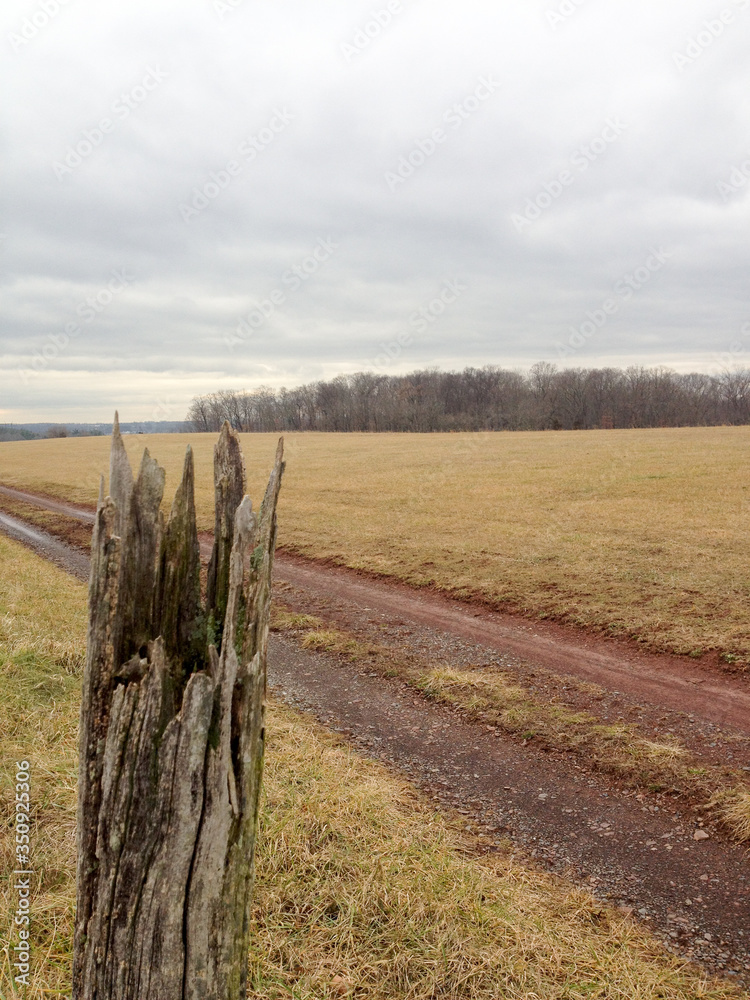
pixel 172 736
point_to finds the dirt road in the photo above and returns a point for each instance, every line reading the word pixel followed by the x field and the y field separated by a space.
pixel 673 682
pixel 71 560
pixel 695 895
pixel 668 681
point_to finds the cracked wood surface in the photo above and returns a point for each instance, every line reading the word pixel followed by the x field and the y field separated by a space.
pixel 171 745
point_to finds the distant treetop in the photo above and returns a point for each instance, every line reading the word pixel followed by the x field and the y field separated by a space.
pixel 488 398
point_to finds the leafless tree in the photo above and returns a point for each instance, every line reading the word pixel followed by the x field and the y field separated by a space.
pixel 489 398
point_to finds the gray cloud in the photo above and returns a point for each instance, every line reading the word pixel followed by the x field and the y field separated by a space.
pixel 281 125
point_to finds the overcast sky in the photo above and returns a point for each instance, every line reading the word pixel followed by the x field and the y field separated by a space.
pixel 205 194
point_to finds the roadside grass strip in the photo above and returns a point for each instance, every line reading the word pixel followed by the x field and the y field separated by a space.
pixel 494 698
pixel 67 529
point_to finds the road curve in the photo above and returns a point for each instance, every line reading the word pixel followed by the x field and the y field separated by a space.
pixel 673 682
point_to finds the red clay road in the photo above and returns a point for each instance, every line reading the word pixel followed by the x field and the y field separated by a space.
pixel 673 682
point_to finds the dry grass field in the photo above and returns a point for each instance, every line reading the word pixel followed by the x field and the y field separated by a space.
pixel 640 534
pixel 362 889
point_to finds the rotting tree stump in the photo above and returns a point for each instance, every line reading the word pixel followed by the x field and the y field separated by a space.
pixel 171 738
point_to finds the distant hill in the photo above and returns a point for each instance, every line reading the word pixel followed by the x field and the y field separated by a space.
pixel 19 432
pixel 16 433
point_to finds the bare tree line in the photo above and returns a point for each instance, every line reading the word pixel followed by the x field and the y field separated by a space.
pixel 488 398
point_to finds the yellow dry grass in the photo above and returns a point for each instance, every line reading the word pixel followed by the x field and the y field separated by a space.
pixel 42 643
pixel 637 533
pixel 365 891
pixel 361 889
pixel 42 609
pixel 735 806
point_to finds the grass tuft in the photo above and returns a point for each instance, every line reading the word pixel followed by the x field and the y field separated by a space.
pixel 663 751
pixel 283 620
pixel 733 808
pixel 330 641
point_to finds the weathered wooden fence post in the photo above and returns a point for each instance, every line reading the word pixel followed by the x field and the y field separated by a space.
pixel 171 740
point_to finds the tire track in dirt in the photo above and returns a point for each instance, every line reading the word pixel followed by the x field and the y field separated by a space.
pixel 661 680
pixel 694 895
pixel 49 503
pixel 71 560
